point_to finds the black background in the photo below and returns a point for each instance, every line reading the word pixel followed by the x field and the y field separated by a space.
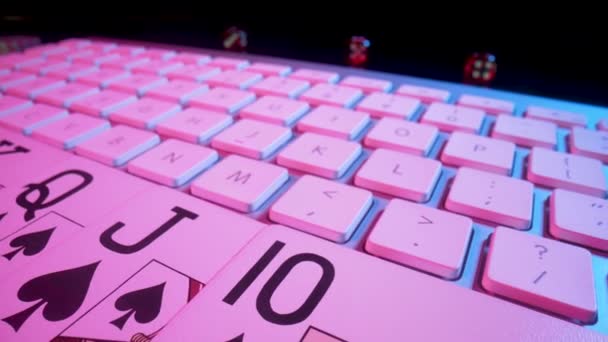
pixel 539 53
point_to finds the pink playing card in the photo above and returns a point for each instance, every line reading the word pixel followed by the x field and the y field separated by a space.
pixel 110 260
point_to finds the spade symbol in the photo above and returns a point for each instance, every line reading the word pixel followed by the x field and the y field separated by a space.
pixel 144 304
pixel 238 338
pixel 30 244
pixel 63 293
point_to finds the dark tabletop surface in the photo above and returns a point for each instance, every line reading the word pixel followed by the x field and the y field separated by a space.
pixel 554 58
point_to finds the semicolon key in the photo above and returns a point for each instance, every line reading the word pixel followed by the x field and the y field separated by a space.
pixel 491 197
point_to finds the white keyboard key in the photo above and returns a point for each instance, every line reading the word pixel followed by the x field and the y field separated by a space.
pixel 422 237
pixel 588 143
pixel 223 99
pixel 234 79
pixel 403 136
pixel 10 104
pixel 144 113
pixel 453 118
pixel 268 69
pixel 543 273
pixel 252 138
pixel 117 145
pixel 276 110
pixel 32 117
pixel 424 94
pixel 487 154
pixel 193 72
pixel 560 117
pixel 226 63
pixel 487 104
pixel 280 86
pixel 320 155
pixel 330 94
pixel 240 183
pixel 491 197
pixel 578 218
pixel 70 131
pixel 194 125
pixel 366 84
pixel 173 162
pixel 324 208
pixel 191 58
pixel 525 132
pixel 381 105
pixel 399 174
pixel 567 171
pixel 315 76
pixel 334 121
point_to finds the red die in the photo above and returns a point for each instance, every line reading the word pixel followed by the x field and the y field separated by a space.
pixel 358 51
pixel 235 39
pixel 480 69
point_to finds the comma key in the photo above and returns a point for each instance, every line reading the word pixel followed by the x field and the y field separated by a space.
pixel 284 284
pixel 321 207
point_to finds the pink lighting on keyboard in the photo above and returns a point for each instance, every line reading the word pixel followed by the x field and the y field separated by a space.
pixel 153 192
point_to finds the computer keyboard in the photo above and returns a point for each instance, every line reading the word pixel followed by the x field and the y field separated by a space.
pixel 165 193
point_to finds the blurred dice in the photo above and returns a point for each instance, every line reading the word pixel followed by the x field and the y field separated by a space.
pixel 234 39
pixel 480 69
pixel 358 51
pixel 10 44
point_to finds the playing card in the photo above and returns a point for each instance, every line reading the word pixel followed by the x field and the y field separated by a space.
pixel 42 233
pixel 76 190
pixel 139 307
pixel 22 158
pixel 290 286
pixel 187 235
